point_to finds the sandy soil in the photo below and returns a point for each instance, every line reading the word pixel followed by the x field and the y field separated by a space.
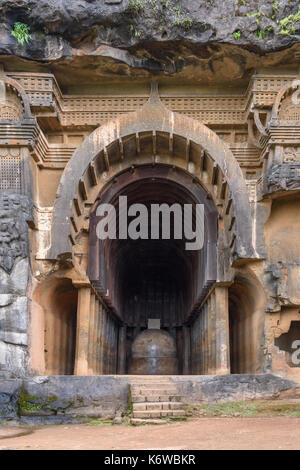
pixel 201 433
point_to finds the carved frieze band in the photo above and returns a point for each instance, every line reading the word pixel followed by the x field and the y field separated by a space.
pixel 284 177
pixel 43 91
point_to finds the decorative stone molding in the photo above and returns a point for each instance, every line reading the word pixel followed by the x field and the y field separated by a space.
pixel 42 219
pixel 43 91
pixel 16 98
pixel 291 154
pixel 284 177
pixel 288 110
pixel 12 108
pixel 10 167
pixel 283 108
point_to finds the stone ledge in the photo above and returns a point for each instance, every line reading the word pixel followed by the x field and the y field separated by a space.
pixel 61 399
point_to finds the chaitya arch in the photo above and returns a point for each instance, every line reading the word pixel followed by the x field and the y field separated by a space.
pixel 150 155
pixel 151 135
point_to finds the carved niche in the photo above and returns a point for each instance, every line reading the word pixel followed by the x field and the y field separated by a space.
pixel 289 111
pixel 15 211
pixel 11 107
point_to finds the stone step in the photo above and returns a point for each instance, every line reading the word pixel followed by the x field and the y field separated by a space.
pixel 142 378
pixel 155 398
pixel 169 405
pixel 157 385
pixel 158 413
pixel 152 379
pixel 154 384
pixel 140 421
pixel 154 391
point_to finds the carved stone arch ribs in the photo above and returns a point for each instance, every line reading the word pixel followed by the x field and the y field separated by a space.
pixel 183 155
pixel 16 106
pixel 152 135
pixel 284 126
pixel 109 260
pixel 282 96
pixel 106 171
pixel 283 169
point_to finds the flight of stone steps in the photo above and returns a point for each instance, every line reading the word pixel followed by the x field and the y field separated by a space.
pixel 154 398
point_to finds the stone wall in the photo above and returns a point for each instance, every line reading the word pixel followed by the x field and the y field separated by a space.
pixel 15 210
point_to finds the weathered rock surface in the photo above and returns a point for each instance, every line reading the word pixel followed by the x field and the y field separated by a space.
pixel 116 38
pixel 226 388
pixel 15 211
pixel 9 394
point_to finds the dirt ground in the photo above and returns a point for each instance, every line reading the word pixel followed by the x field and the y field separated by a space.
pixel 201 433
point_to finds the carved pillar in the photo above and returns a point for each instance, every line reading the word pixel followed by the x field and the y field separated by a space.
pixel 102 340
pixel 122 350
pixel 222 331
pixel 82 332
pixel 206 338
pixel 95 337
pixel 99 355
pixel 91 334
pixel 186 350
pixel 210 353
pixel 212 334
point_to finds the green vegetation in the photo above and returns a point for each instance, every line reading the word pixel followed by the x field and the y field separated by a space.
pixel 135 32
pixel 237 34
pixel 21 33
pixel 245 409
pixel 182 21
pixel 261 33
pixel 26 405
pixel 288 24
pixel 185 23
pixel 257 15
pixel 163 10
pixel 31 404
pixel 175 419
pixel 51 399
pixel 101 422
pixel 172 8
pixel 137 5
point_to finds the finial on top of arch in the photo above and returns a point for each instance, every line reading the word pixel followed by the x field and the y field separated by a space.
pixel 154 98
pixel 154 94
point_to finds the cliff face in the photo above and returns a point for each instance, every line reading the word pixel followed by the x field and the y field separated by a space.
pixel 138 38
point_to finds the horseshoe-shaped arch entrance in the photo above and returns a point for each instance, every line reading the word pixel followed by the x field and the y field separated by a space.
pixel 170 146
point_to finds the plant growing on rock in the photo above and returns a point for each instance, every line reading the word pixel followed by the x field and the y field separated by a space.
pixel 21 33
pixel 135 32
pixel 137 5
pixel 185 23
pixel 181 21
pixel 237 34
pixel 288 24
pixel 257 15
pixel 261 33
